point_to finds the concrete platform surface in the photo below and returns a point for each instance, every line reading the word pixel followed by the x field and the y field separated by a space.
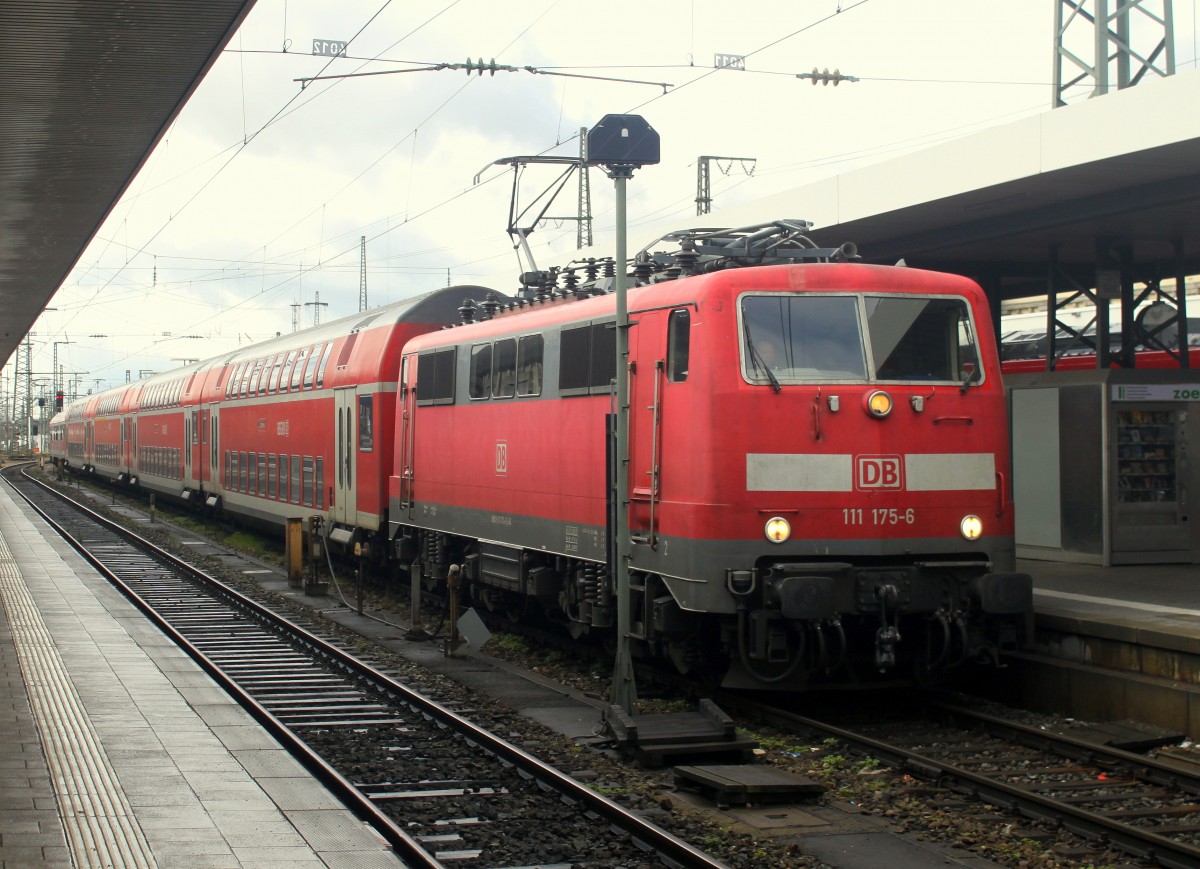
pixel 117 750
pixel 1128 598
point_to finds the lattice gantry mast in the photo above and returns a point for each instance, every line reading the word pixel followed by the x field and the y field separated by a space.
pixel 1110 43
pixel 583 232
pixel 362 274
pixel 704 177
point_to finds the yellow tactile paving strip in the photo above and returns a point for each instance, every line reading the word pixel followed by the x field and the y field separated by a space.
pixel 99 823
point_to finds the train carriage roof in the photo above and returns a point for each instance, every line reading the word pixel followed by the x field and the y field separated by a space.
pixel 436 307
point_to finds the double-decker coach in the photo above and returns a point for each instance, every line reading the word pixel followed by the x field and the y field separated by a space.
pixel 296 426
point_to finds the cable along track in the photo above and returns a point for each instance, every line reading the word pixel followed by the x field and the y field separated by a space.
pixel 440 789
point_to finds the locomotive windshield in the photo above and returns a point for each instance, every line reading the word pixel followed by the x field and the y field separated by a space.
pixel 807 338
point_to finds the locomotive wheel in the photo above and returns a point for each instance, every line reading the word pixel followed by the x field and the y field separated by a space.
pixel 500 603
pixel 684 655
pixel 578 630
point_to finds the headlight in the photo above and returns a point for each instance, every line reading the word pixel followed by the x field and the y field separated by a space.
pixel 878 404
pixel 971 527
pixel 778 529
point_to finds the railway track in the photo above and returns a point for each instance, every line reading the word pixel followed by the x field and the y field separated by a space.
pixel 1142 806
pixel 439 788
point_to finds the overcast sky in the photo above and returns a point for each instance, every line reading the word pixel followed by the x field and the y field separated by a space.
pixel 258 196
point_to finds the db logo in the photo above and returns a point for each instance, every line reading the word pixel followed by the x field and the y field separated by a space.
pixel 879 472
pixel 501 457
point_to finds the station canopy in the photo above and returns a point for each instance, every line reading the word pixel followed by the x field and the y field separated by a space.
pixel 1119 172
pixel 87 88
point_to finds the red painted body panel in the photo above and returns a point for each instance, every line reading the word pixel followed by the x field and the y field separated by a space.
pixel 711 421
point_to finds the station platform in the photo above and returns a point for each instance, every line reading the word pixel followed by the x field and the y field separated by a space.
pixel 116 749
pixel 1111 643
pixel 1167 595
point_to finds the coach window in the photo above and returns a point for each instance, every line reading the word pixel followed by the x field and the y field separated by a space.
pixel 324 363
pixel 295 479
pixel 529 365
pixel 287 370
pixel 481 371
pixel 272 470
pixel 260 367
pixel 320 484
pixel 262 475
pixel 504 374
pixel 678 345
pixel 283 477
pixel 366 423
pixel 195 427
pixel 252 475
pixel 246 375
pixel 435 376
pixel 308 481
pixel 260 382
pixel 310 370
pixel 271 380
pixel 243 470
pixel 298 370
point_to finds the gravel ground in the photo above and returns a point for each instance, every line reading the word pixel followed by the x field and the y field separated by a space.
pixel 912 807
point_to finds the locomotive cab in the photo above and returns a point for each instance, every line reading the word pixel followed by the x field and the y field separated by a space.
pixel 877 464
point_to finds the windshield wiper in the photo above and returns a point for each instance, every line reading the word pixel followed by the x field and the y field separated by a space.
pixel 757 360
pixel 972 376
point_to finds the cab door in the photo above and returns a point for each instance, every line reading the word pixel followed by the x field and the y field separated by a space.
pixel 647 347
pixel 659 349
pixel 345 508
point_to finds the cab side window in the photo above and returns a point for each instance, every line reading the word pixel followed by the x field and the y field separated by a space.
pixel 678 345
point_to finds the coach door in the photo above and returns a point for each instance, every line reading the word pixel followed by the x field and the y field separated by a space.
pixel 345 507
pixel 214 446
pixel 195 444
pixel 404 444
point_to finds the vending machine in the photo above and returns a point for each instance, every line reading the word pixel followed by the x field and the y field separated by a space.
pixel 1101 465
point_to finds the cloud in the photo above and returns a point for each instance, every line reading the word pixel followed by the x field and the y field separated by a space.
pixel 259 195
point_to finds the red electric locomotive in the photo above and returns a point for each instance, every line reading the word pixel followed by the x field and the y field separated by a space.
pixel 818 463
